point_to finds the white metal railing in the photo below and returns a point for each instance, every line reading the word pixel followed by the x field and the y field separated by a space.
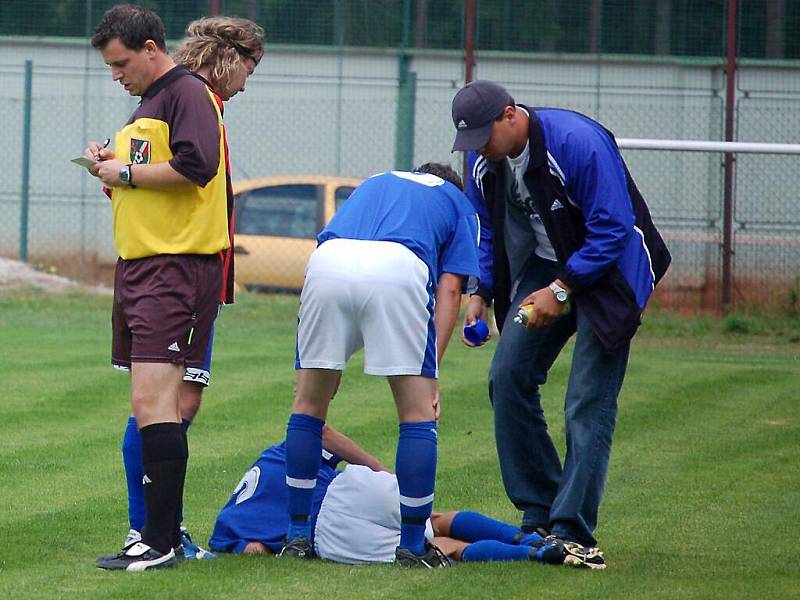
pixel 708 146
pixel 726 235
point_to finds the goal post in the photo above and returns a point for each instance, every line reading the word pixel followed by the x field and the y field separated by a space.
pixel 708 146
pixel 729 150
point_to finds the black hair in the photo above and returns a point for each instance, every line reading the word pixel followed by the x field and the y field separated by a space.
pixel 133 25
pixel 502 112
pixel 444 171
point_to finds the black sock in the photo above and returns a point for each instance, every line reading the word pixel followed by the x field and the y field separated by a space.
pixel 164 457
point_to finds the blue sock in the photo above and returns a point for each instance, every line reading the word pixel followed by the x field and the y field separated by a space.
pixel 492 550
pixel 531 539
pixel 132 459
pixel 416 477
pixel 303 458
pixel 474 527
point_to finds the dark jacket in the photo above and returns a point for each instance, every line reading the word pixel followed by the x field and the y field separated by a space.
pixel 608 250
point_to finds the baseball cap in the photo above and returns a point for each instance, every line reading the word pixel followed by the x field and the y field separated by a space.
pixel 475 107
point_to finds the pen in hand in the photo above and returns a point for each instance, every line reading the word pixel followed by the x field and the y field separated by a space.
pixel 105 145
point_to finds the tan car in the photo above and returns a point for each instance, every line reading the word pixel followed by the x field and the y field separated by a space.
pixel 277 222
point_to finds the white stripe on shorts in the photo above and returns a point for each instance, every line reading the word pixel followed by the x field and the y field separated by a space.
pixel 306 484
pixel 415 502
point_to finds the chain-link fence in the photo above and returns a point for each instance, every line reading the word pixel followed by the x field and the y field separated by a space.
pixel 349 88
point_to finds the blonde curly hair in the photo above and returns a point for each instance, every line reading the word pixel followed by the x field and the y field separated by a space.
pixel 220 43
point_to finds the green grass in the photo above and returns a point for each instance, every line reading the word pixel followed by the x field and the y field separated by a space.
pixel 702 496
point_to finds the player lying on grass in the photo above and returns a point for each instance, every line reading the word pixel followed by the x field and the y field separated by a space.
pixel 356 517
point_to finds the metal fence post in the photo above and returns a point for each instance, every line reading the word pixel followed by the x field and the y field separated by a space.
pixel 406 100
pixel 26 162
pixel 727 210
pixel 469 61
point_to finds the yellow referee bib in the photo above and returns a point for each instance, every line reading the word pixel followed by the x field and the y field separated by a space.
pixel 186 220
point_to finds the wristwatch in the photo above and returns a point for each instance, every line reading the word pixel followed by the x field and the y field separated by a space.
pixel 125 175
pixel 560 293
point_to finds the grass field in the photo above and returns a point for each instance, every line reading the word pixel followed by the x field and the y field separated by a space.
pixel 703 494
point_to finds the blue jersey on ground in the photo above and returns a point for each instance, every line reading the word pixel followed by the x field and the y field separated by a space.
pixel 258 510
pixel 429 216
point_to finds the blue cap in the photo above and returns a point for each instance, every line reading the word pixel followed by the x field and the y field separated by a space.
pixel 475 108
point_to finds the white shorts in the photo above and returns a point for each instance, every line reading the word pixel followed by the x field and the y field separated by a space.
pixel 359 520
pixel 375 295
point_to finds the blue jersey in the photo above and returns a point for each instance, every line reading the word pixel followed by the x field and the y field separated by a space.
pixel 258 509
pixel 429 216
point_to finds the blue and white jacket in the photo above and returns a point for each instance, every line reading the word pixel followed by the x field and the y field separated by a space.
pixel 608 250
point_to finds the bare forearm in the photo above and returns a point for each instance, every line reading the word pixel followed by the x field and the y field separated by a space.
pixel 342 446
pixel 448 302
pixel 158 176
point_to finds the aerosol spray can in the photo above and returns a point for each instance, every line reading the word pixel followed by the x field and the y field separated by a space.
pixel 526 313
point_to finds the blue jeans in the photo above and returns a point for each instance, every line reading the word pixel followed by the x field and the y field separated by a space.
pixel 565 499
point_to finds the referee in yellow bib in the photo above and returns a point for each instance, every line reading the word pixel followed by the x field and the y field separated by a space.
pixel 166 173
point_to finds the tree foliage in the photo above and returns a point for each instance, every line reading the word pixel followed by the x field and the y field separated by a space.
pixel 768 28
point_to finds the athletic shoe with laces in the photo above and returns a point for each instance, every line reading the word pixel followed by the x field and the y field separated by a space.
pixel 577 555
pixel 549 550
pixel 529 539
pixel 526 530
pixel 298 547
pixel 138 557
pixel 130 539
pixel 432 559
pixel 582 557
pixel 190 550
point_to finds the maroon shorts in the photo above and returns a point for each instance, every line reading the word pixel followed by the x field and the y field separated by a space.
pixel 164 307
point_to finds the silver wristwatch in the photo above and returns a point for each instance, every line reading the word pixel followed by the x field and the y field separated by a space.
pixel 560 293
pixel 125 175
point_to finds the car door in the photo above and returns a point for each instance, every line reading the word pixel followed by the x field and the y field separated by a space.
pixel 276 229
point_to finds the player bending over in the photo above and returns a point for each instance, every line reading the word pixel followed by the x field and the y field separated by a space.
pixel 388 268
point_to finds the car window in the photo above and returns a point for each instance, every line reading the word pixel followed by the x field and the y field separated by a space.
pixel 280 210
pixel 342 194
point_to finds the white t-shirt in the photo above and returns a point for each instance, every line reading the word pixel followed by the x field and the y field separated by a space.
pixel 519 164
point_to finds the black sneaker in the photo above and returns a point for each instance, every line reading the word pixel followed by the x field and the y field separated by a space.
pixel 298 547
pixel 527 529
pixel 130 539
pixel 432 559
pixel 139 557
pixel 582 557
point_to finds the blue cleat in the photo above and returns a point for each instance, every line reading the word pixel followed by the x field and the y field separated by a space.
pixel 192 551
